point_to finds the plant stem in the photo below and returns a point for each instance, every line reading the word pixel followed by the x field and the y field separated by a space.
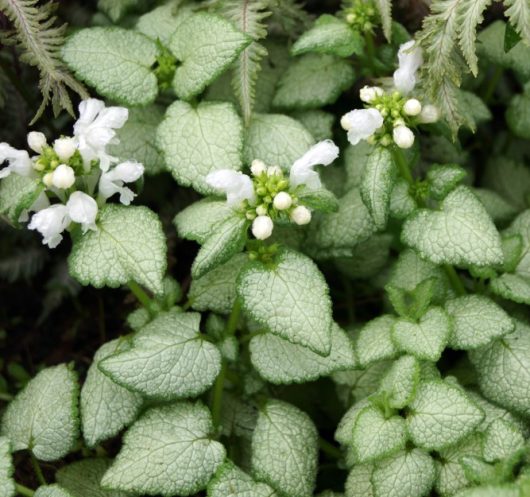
pixel 6 397
pixel 402 165
pixel 455 280
pixel 22 490
pixel 140 294
pixel 370 51
pixel 329 449
pixel 218 388
pixel 37 469
pixel 492 85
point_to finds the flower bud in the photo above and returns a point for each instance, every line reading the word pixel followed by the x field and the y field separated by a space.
pixel 282 201
pixel 403 137
pixel 262 227
pixel 36 141
pixel 63 177
pixel 345 123
pixel 369 93
pixel 350 18
pixel 47 179
pixel 64 148
pixel 429 114
pixel 261 210
pixel 257 167
pixel 274 171
pixel 412 107
pixel 301 215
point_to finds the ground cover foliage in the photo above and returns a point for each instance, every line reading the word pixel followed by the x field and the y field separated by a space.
pixel 265 248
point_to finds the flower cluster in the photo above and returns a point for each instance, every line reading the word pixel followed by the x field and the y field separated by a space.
pixel 268 195
pixel 71 168
pixel 390 115
pixel 361 15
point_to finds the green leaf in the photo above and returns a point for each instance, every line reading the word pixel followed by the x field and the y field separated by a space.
pixel 82 478
pixel 490 491
pixel 425 339
pixel 501 441
pixel 510 179
pixel 444 179
pixel 359 482
pixel 291 299
pixel 402 203
pixel 320 200
pixel 198 140
pixel 407 474
pixel 511 38
pixel 329 35
pixel 504 370
pixel 460 233
pixel 106 407
pixel 7 484
pixel 412 304
pixel 398 386
pixel 344 431
pixel 375 341
pixel 161 22
pixel 177 438
pixel 228 239
pixel 318 122
pixel 477 321
pixel 102 56
pixel 377 183
pixel 336 234
pixel 441 415
pixel 216 290
pixel 197 221
pixel 496 206
pixel 52 491
pixel 129 244
pixel 44 416
pixel 138 139
pixel 116 9
pixel 280 361
pixel 230 481
pixel 276 139
pixel 203 37
pixel 284 429
pixel 169 359
pixel 376 437
pixel 325 77
pixel 518 116
pixel 17 193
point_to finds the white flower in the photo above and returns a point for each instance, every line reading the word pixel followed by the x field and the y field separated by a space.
pixel 429 114
pixel 410 59
pixel 112 182
pixel 50 223
pixel 301 215
pixel 94 130
pixel 65 148
pixel 262 227
pixel 36 141
pixel 361 124
pixel 412 107
pixel 83 209
pixel 282 201
pixel 403 137
pixel 370 93
pixel 18 161
pixel 47 179
pixel 63 177
pixel 324 152
pixel 237 186
pixel 257 167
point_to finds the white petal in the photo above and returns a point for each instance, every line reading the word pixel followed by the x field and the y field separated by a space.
pixel 126 171
pixel 19 161
pixel 362 123
pixel 126 195
pixel 112 117
pixel 82 209
pixel 65 147
pixel 410 59
pixel 50 223
pixel 324 153
pixel 88 110
pixel 237 186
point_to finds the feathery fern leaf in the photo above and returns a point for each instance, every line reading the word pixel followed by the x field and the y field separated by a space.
pixel 384 8
pixel 248 16
pixel 289 18
pixel 519 13
pixel 39 40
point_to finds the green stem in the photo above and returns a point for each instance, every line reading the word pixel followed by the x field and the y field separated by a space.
pixel 218 388
pixel 402 165
pixel 140 294
pixel 492 85
pixel 22 490
pixel 329 449
pixel 370 51
pixel 37 469
pixel 455 280
pixel 6 397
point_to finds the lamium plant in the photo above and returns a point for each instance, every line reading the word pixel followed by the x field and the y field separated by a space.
pixel 270 249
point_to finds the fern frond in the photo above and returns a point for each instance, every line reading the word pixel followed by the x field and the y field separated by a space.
pixel 39 40
pixel 519 13
pixel 289 18
pixel 248 16
pixel 384 7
